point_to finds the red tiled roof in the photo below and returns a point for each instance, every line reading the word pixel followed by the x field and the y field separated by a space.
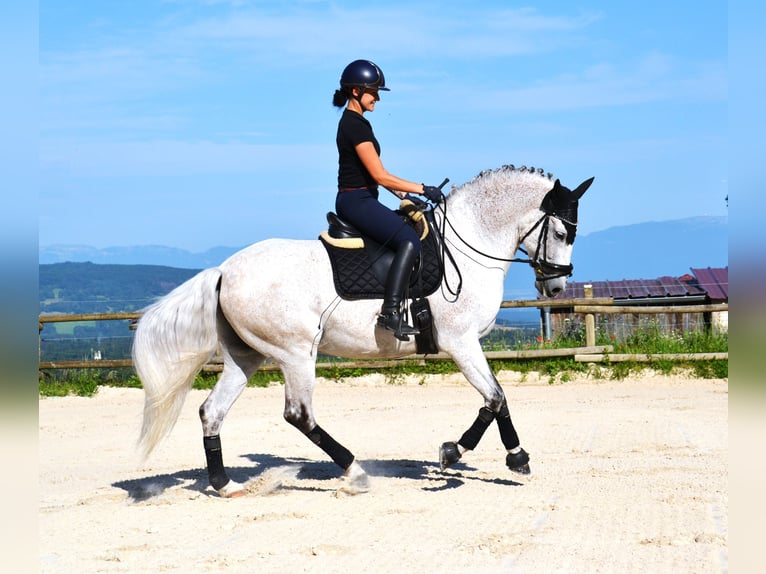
pixel 711 282
pixel 714 281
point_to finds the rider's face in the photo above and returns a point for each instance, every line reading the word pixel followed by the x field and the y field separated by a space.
pixel 368 100
pixel 365 102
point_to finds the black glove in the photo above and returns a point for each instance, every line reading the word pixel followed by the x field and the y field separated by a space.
pixel 433 194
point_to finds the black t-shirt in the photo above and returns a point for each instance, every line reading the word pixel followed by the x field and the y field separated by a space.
pixel 354 129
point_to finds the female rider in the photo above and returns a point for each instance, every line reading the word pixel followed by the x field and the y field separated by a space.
pixel 360 172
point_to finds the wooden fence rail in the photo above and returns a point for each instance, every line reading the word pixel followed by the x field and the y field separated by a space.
pixel 216 365
pixel 589 353
pixel 627 309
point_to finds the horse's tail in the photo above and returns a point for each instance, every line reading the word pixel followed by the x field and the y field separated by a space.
pixel 174 338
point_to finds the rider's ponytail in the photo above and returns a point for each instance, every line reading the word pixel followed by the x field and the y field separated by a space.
pixel 340 98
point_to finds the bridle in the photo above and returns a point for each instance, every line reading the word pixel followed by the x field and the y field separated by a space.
pixel 544 269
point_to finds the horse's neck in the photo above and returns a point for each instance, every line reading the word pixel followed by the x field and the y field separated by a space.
pixel 489 227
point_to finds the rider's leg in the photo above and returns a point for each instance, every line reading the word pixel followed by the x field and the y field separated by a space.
pixel 366 213
pixel 391 313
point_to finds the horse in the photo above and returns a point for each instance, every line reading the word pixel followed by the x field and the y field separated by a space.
pixel 276 299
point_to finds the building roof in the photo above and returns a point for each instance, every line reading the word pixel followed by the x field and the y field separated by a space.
pixel 714 281
pixel 711 282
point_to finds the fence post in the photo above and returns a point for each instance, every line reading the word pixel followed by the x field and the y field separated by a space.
pixel 40 326
pixel 590 320
pixel 547 327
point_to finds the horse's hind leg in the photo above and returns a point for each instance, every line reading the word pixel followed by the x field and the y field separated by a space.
pixel 299 389
pixel 239 364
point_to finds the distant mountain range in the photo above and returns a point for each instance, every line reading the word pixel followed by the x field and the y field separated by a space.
pixel 641 251
pixel 136 255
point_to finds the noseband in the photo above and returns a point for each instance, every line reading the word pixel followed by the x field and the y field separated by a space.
pixel 544 269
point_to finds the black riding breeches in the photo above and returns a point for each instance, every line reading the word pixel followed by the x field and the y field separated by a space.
pixel 363 210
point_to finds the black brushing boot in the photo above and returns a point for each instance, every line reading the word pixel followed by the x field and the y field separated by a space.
pixel 391 317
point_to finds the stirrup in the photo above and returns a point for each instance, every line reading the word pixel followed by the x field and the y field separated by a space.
pixel 394 321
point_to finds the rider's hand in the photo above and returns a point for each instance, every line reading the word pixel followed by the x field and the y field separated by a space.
pixel 433 194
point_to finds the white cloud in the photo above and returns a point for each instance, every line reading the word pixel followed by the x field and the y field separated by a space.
pixel 652 79
pixel 144 78
pixel 316 30
pixel 174 157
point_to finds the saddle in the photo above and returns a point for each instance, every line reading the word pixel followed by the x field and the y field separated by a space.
pixel 360 266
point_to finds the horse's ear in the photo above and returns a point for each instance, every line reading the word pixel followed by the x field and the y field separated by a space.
pixel 582 188
pixel 557 190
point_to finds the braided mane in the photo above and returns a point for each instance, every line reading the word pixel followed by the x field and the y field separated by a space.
pixel 487 177
pixel 512 168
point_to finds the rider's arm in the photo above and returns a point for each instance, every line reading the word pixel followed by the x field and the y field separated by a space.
pixel 371 160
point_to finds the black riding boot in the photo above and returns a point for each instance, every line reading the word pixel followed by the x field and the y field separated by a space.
pixel 391 316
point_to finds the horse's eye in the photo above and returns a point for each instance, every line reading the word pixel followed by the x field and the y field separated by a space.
pixel 561 235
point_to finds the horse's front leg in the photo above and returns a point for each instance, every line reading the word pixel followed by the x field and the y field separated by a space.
pixel 299 389
pixel 473 364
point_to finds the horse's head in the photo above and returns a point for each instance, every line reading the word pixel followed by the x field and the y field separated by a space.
pixel 550 238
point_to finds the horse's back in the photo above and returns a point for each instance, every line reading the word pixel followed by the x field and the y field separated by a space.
pixel 270 247
pixel 283 267
pixel 279 296
pixel 275 286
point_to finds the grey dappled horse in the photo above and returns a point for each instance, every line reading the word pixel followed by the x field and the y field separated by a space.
pixel 276 299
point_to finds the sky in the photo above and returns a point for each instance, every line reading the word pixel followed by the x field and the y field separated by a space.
pixel 201 123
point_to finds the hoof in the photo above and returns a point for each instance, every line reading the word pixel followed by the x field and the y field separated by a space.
pixel 523 469
pixel 353 481
pixel 518 462
pixel 236 494
pixel 448 455
pixel 232 489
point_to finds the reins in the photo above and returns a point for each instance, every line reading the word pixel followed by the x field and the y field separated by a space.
pixel 544 270
pixel 446 252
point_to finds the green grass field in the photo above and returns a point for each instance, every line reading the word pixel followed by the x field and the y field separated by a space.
pixel 67 328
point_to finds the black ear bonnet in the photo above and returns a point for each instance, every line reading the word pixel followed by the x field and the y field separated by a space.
pixel 562 203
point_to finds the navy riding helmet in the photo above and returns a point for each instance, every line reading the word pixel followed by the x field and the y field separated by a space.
pixel 365 74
